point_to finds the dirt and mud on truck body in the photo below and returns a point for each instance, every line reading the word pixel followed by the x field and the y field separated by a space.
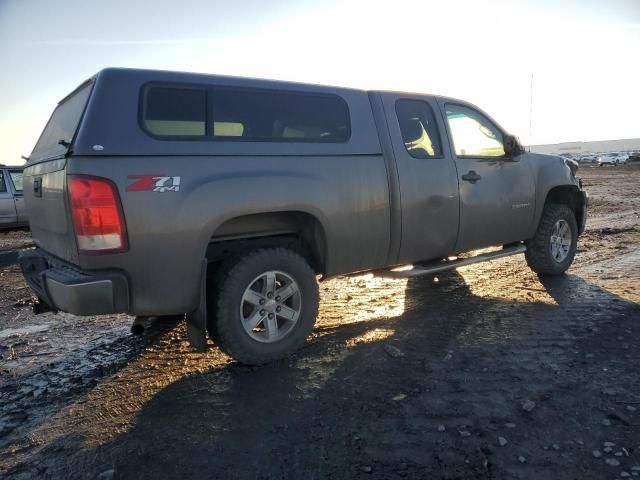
pixel 160 193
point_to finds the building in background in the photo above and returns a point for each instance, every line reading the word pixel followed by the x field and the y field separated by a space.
pixel 600 146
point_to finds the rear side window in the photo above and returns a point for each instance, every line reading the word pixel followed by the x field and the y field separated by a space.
pixel 171 111
pixel 248 115
pixel 3 186
pixel 62 126
pixel 16 178
pixel 419 129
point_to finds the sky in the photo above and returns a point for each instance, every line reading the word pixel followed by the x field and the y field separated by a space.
pixel 548 71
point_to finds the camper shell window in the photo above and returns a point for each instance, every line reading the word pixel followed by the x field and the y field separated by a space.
pixel 243 114
pixel 57 136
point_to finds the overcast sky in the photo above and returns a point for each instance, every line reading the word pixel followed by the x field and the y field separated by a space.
pixel 583 55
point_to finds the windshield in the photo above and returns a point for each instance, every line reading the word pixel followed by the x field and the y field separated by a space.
pixel 62 125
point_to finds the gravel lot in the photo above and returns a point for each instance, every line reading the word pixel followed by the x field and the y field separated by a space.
pixel 484 372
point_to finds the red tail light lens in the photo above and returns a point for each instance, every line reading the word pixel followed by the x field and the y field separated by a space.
pixel 97 215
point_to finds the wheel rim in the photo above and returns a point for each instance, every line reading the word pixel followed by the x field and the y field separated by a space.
pixel 270 306
pixel 560 241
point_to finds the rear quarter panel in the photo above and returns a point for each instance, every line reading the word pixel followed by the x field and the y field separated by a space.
pixel 169 232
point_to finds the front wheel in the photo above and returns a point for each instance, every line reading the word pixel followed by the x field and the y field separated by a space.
pixel 266 306
pixel 552 249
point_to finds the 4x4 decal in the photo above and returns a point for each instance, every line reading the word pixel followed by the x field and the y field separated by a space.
pixel 154 183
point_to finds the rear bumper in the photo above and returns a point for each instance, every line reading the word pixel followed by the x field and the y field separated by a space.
pixel 65 287
pixel 11 226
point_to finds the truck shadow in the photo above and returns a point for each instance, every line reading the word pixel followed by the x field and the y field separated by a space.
pixel 360 393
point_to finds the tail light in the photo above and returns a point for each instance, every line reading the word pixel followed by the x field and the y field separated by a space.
pixel 97 215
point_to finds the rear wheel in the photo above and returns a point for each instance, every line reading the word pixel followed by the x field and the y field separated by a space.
pixel 553 248
pixel 266 305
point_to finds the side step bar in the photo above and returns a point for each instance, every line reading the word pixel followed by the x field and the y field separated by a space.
pixel 440 266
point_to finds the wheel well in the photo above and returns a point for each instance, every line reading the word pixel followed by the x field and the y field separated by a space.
pixel 567 195
pixel 298 231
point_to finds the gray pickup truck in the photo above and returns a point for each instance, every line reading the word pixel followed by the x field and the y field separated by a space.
pixel 12 211
pixel 225 199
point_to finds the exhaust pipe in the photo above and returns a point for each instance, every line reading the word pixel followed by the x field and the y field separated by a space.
pixel 142 324
pixel 139 325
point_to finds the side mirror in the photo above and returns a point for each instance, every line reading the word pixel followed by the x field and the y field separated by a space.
pixel 512 146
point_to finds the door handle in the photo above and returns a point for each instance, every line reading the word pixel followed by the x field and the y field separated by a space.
pixel 471 177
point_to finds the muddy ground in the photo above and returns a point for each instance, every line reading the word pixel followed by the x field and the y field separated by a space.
pixel 485 372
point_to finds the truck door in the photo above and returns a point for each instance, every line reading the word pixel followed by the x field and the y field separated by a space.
pixel 15 177
pixel 7 206
pixel 497 192
pixel 426 175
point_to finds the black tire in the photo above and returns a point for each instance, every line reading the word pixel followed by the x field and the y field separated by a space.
pixel 234 278
pixel 538 253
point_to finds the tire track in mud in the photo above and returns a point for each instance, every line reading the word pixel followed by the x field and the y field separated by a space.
pixel 501 328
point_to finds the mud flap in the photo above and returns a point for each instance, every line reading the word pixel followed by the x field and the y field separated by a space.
pixel 197 319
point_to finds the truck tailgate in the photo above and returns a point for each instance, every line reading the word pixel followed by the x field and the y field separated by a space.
pixel 46 201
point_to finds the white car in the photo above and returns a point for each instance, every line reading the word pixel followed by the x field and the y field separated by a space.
pixel 588 157
pixel 612 159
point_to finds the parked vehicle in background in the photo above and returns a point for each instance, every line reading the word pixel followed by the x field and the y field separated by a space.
pixel 163 193
pixel 587 158
pixel 612 159
pixel 623 157
pixel 12 211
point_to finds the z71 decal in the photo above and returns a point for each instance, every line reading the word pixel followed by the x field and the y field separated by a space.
pixel 154 183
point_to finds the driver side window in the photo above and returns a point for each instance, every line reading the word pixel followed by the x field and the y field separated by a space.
pixel 474 135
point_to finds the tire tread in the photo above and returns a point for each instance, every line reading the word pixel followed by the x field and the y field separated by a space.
pixel 537 255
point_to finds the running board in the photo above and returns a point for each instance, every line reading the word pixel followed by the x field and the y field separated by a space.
pixel 440 266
